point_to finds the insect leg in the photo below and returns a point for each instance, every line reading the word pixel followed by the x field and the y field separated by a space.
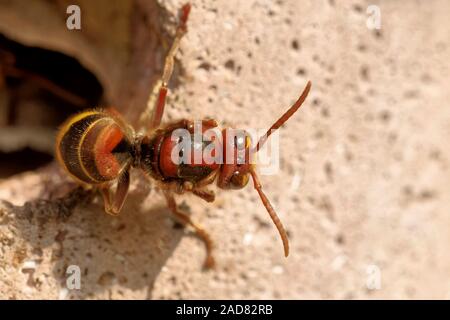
pixel 168 67
pixel 113 206
pixel 199 231
pixel 205 194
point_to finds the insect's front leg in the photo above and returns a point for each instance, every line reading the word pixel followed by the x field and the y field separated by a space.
pixel 200 188
pixel 205 194
pixel 160 102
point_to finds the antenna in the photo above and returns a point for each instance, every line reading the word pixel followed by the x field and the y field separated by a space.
pixel 271 212
pixel 273 215
pixel 285 116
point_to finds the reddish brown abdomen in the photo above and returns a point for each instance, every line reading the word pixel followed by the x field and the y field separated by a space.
pixel 93 147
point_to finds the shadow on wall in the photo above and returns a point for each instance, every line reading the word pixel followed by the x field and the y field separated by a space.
pixel 128 251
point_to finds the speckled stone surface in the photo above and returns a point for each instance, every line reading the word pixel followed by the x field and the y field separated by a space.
pixel 363 186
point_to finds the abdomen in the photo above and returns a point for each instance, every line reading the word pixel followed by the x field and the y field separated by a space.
pixel 93 147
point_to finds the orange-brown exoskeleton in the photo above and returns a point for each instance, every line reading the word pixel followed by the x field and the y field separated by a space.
pixel 98 148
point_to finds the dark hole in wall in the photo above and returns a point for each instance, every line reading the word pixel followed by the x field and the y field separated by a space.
pixel 39 88
pixel 25 159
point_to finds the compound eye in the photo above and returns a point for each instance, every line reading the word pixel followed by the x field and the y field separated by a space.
pixel 239 180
